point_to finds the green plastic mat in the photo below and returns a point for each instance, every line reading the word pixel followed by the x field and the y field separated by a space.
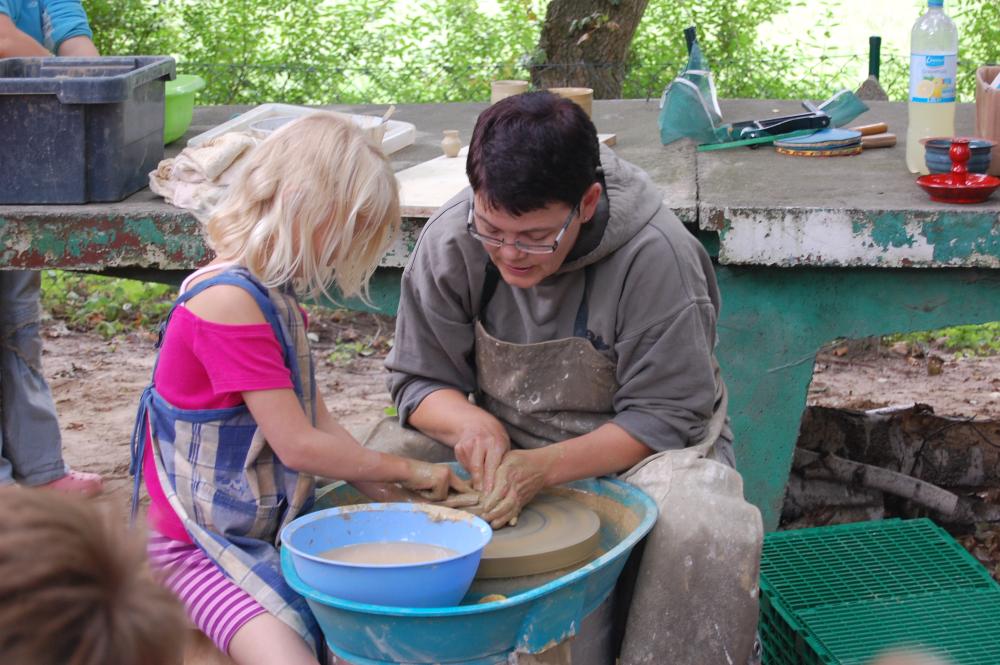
pixel 866 561
pixel 961 627
pixel 843 594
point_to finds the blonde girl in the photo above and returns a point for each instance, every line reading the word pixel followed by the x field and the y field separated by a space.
pixel 233 426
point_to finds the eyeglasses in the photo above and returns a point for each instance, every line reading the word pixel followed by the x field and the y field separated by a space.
pixel 528 248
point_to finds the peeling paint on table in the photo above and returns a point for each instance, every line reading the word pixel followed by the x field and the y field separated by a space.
pixel 847 238
pixel 95 243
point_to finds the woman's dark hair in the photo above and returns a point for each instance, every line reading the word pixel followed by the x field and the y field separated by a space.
pixel 530 150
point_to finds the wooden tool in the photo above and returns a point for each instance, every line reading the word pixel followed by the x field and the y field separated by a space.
pixel 874 128
pixel 883 140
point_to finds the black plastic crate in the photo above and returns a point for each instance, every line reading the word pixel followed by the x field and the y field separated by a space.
pixel 74 130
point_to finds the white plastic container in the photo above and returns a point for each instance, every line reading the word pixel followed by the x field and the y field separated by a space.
pixel 933 63
pixel 265 118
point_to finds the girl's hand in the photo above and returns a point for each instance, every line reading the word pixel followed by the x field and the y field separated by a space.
pixel 432 481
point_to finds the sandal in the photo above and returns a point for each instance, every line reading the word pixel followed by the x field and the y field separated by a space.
pixel 77 482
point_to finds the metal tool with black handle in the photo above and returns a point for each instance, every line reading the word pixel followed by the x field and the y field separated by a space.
pixel 752 129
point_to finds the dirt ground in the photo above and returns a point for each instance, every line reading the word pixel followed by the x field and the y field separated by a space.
pixel 96 383
pixel 863 374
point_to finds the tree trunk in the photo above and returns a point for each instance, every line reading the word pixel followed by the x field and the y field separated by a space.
pixel 585 43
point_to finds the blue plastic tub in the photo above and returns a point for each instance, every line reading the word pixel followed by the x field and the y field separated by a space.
pixel 440 583
pixel 533 617
pixel 74 130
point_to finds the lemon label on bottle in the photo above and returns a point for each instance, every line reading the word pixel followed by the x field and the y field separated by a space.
pixel 932 77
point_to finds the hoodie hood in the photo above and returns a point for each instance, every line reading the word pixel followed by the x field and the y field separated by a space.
pixel 630 204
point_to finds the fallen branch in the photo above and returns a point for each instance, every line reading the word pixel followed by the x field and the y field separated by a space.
pixel 830 467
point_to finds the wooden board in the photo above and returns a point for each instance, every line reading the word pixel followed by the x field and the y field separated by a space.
pixel 427 186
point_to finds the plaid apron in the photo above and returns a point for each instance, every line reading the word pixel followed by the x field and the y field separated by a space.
pixel 221 477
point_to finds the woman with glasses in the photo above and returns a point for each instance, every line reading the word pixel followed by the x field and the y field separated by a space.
pixel 557 322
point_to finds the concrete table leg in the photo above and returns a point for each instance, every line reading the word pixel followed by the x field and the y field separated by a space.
pixel 775 319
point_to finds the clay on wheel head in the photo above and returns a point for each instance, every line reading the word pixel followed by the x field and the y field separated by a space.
pixel 552 532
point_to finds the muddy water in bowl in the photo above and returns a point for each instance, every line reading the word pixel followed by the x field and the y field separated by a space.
pixel 388 553
pixel 441 582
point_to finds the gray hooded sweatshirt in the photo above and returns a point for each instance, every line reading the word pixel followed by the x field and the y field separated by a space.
pixel 652 310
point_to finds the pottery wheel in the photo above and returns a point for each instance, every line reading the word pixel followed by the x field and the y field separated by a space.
pixel 552 532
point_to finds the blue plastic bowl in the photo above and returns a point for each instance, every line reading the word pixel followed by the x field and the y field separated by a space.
pixel 939 161
pixel 440 583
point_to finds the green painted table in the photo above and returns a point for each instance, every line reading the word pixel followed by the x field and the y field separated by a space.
pixel 808 250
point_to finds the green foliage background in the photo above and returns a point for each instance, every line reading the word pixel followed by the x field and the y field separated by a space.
pixel 105 305
pixel 380 51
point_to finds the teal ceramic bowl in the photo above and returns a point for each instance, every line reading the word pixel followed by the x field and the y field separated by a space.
pixel 938 161
pixel 179 106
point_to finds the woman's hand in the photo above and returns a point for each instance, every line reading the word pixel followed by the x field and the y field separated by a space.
pixel 432 481
pixel 521 475
pixel 480 449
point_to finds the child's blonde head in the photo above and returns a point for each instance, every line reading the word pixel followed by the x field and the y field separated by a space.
pixel 315 204
pixel 75 587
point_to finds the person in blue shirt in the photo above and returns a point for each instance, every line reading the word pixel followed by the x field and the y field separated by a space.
pixel 30 441
pixel 44 27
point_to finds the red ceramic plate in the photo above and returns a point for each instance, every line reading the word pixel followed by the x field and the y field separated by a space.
pixel 949 188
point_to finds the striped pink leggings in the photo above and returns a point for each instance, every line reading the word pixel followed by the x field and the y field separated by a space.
pixel 215 604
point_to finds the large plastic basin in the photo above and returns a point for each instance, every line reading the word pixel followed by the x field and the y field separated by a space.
pixel 535 615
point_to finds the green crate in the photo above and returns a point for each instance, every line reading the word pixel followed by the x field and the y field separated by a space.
pixel 963 627
pixel 783 639
pixel 841 594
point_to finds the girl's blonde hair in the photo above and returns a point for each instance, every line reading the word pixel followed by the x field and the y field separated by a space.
pixel 315 204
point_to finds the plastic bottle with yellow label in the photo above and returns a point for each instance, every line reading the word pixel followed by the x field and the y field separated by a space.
pixel 933 63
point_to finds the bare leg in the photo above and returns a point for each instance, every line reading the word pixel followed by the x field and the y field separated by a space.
pixel 264 640
pixel 201 651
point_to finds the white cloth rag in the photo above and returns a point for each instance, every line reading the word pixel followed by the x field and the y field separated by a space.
pixel 197 178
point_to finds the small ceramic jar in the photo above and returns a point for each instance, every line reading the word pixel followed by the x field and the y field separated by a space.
pixel 938 159
pixel 503 89
pixel 451 144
